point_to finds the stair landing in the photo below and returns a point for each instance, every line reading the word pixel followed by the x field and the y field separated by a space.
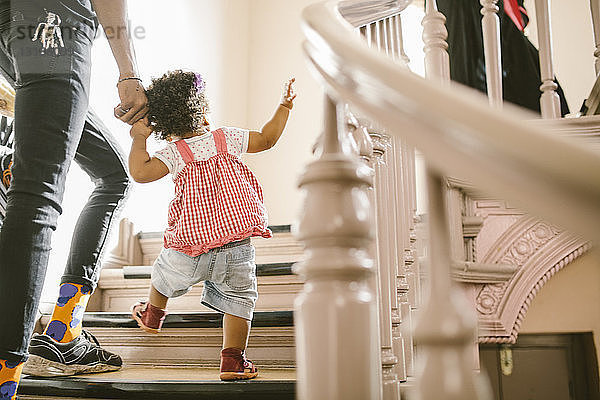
pixel 161 382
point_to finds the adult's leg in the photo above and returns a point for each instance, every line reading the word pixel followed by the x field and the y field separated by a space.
pixel 100 156
pixel 50 108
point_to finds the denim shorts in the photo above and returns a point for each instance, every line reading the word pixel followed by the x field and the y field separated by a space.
pixel 228 272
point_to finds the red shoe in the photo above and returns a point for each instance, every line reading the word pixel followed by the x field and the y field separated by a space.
pixel 235 366
pixel 148 317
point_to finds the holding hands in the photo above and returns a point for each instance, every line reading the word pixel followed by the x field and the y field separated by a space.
pixel 134 104
pixel 289 94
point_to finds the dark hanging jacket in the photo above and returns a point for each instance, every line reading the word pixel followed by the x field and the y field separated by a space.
pixel 520 59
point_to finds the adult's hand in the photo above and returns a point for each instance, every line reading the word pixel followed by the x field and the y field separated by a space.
pixel 134 103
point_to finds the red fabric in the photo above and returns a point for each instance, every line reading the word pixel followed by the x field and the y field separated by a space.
pixel 185 151
pixel 512 9
pixel 217 201
pixel 220 141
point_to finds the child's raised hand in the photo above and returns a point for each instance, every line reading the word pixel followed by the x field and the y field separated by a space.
pixel 289 94
pixel 141 128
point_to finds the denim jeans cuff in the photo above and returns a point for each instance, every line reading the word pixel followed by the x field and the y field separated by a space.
pixel 80 281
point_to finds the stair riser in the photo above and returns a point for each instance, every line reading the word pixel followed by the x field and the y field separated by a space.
pixel 275 293
pixel 269 347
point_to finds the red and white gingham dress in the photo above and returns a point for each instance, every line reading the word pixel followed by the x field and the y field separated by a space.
pixel 217 201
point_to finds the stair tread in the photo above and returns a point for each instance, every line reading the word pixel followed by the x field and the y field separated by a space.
pixel 186 320
pixel 158 382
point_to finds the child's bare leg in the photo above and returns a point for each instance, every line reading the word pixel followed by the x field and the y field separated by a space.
pixel 235 332
pixel 157 299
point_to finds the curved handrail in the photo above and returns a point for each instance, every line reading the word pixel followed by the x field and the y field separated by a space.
pixel 500 152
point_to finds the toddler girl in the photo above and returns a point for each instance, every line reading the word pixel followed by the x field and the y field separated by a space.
pixel 218 206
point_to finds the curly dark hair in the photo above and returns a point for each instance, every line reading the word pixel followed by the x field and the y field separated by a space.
pixel 176 105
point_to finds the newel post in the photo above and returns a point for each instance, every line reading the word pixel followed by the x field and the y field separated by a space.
pixel 335 315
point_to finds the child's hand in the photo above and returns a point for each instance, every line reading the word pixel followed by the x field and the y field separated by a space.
pixel 288 95
pixel 141 128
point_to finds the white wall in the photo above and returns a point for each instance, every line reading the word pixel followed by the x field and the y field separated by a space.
pixel 275 43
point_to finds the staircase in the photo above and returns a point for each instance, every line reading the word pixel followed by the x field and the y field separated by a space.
pixel 182 361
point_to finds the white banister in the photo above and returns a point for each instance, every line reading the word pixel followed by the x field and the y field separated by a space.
pixel 446 327
pixel 490 24
pixel 389 322
pixel 410 263
pixel 402 245
pixel 437 61
pixel 335 315
pixel 549 101
pixel 595 10
pixel 364 149
pixel 540 172
pixel 393 187
pixel 399 39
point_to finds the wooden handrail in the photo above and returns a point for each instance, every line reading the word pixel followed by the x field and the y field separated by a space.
pixel 498 151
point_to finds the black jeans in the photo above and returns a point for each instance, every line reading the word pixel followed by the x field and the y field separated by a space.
pixel 53 126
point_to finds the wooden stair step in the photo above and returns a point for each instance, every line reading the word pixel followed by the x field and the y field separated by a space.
pixel 193 338
pixel 163 382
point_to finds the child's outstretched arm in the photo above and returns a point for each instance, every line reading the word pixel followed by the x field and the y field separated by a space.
pixel 270 133
pixel 142 167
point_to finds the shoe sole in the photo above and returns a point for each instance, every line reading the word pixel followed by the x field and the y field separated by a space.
pixel 39 366
pixel 141 324
pixel 236 376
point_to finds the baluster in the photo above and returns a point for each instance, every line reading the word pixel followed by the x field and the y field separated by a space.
pixel 335 314
pixel 398 39
pixel 595 8
pixel 394 186
pixel 549 101
pixel 437 61
pixel 382 36
pixel 363 31
pixel 364 146
pixel 446 328
pixel 402 243
pixel 385 234
pixel 389 320
pixel 392 38
pixel 490 24
pixel 406 283
pixel 371 34
pixel 410 261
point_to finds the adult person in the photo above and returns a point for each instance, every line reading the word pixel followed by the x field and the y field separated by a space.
pixel 45 51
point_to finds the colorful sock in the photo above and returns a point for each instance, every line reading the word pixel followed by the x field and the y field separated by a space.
pixel 65 324
pixel 10 374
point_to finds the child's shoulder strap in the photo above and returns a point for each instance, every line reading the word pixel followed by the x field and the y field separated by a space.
pixel 220 142
pixel 185 151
